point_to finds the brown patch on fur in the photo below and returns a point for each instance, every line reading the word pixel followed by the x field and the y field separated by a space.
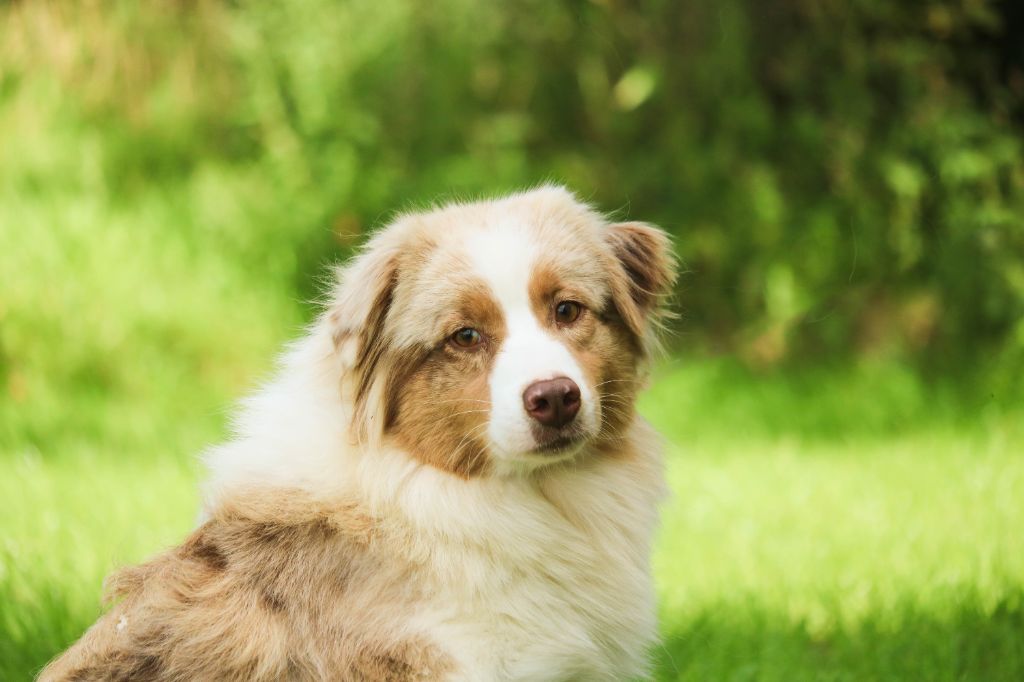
pixel 609 364
pixel 545 284
pixel 647 271
pixel 396 378
pixel 421 391
pixel 397 663
pixel 273 587
pixel 444 404
pixel 602 345
pixel 477 308
pixel 200 547
pixel 359 316
pixel 273 603
pixel 372 344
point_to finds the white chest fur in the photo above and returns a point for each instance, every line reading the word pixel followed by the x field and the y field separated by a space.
pixel 546 578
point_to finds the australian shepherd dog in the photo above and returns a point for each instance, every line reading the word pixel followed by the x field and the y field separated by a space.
pixel 446 479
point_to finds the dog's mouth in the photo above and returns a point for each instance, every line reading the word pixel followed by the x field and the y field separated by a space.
pixel 557 441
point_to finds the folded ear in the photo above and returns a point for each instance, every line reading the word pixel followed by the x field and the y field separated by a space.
pixel 646 274
pixel 357 317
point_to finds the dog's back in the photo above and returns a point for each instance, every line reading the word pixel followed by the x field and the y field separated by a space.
pixel 278 589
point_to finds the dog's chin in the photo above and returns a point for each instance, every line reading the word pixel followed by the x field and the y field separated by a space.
pixel 558 445
pixel 537 446
pixel 553 446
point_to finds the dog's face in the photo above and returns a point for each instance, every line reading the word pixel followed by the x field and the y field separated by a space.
pixel 501 335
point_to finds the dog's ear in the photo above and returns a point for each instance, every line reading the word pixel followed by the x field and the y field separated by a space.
pixel 357 317
pixel 644 277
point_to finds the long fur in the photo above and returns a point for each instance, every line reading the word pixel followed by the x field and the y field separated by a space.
pixel 364 523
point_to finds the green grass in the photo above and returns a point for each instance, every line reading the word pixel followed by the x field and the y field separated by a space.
pixel 844 525
pixel 65 525
pixel 855 525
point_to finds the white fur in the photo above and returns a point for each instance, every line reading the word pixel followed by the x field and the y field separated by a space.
pixel 503 256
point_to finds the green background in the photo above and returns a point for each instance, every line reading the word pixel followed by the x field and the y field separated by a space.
pixel 845 185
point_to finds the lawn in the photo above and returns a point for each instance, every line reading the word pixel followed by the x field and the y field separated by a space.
pixel 854 524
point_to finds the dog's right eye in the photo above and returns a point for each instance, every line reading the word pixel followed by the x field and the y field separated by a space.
pixel 467 338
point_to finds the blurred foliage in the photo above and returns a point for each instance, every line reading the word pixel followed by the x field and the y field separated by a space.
pixel 844 179
pixel 841 177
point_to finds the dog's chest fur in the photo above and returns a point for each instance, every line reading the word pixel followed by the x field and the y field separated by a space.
pixel 550 580
pixel 543 577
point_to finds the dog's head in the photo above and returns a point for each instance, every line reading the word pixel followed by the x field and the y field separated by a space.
pixel 500 335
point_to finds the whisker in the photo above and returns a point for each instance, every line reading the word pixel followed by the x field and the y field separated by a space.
pixel 616 412
pixel 453 458
pixel 615 397
pixel 477 456
pixel 458 414
pixel 611 381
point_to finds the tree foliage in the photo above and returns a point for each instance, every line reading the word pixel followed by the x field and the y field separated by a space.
pixel 839 176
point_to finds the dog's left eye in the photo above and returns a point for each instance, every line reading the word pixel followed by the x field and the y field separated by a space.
pixel 567 312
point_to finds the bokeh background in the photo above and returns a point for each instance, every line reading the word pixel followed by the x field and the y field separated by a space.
pixel 845 184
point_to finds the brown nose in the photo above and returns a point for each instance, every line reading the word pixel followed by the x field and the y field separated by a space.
pixel 554 402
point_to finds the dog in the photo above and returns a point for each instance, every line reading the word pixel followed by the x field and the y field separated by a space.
pixel 446 480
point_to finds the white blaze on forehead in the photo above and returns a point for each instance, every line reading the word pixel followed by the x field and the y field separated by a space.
pixel 504 256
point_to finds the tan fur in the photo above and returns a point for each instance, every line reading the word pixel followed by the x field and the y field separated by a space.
pixel 442 408
pixel 374 561
pixel 274 587
pixel 647 273
pixel 601 342
pixel 443 411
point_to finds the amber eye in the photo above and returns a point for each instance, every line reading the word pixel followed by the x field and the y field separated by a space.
pixel 467 338
pixel 567 312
